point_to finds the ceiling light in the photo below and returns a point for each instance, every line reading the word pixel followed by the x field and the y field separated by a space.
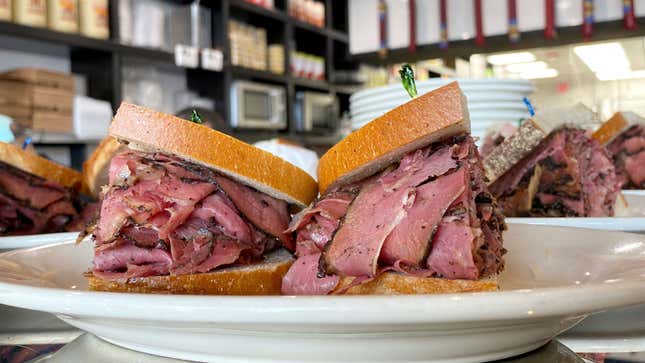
pixel 544 73
pixel 609 75
pixel 526 67
pixel 510 58
pixel 601 57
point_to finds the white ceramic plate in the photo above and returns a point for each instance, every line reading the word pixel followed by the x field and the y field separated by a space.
pixel 619 330
pixel 471 95
pixel 101 351
pixel 501 116
pixel 632 221
pixel 472 107
pixel 478 95
pixel 491 84
pixel 554 278
pixel 12 242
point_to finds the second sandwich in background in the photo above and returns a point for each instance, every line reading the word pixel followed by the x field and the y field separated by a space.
pixel 404 208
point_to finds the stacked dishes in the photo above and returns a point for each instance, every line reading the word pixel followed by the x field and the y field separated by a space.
pixel 491 102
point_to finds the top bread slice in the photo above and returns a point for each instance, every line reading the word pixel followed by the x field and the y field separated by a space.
pixel 39 166
pixel 413 125
pixel 615 125
pixel 513 149
pixel 151 131
pixel 96 167
pixel 529 135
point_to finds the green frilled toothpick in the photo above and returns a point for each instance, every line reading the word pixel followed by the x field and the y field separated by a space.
pixel 194 117
pixel 407 78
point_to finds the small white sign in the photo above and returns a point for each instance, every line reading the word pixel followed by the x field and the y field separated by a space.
pixel 186 56
pixel 212 59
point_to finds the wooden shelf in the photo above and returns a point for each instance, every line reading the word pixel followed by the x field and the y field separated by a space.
pixel 535 39
pixel 276 14
pixel 311 83
pixel 101 61
pixel 242 72
pixel 330 33
pixel 78 41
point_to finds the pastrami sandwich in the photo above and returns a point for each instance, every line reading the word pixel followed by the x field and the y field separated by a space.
pixel 624 137
pixel 551 167
pixel 189 210
pixel 404 208
pixel 37 195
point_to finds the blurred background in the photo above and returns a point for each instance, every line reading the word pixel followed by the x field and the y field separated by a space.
pixel 306 72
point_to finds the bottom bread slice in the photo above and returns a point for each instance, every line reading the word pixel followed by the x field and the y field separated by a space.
pixel 264 278
pixel 392 283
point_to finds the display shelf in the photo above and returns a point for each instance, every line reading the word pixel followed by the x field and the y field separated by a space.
pixel 78 41
pixel 101 61
pixel 534 39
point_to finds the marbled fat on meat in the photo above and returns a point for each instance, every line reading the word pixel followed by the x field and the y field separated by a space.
pixel 162 215
pixel 430 215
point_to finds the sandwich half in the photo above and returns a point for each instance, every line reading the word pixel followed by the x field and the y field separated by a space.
pixel 624 136
pixel 551 167
pixel 36 195
pixel 189 210
pixel 404 209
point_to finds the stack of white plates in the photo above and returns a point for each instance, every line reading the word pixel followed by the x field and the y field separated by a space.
pixel 491 102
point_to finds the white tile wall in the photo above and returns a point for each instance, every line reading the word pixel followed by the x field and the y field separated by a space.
pixel 398 24
pixel 461 19
pixel 568 12
pixel 428 21
pixel 363 26
pixel 495 17
pixel 530 15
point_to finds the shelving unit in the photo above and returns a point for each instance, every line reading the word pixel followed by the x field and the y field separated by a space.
pixel 101 61
pixel 603 31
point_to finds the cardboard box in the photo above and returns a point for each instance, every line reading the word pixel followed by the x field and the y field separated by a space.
pixel 36 97
pixel 39 120
pixel 41 77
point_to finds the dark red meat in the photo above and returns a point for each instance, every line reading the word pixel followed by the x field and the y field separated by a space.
pixel 628 153
pixel 171 216
pixel 576 178
pixel 430 215
pixel 30 204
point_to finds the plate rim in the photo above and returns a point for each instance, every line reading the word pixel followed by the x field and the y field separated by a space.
pixel 519 304
pixel 33 240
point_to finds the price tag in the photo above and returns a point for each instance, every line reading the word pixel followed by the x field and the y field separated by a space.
pixel 186 56
pixel 212 59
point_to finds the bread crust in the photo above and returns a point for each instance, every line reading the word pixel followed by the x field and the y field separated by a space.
pixel 39 166
pixel 95 168
pixel 413 125
pixel 503 157
pixel 610 128
pixel 259 279
pixel 392 283
pixel 149 130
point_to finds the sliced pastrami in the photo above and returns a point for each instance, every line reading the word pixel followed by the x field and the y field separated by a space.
pixel 27 189
pixel 265 212
pixel 452 252
pixel 221 211
pixel 628 153
pixel 576 178
pixel 31 205
pixel 443 190
pixel 410 240
pixel 163 206
pixel 302 278
pixel 378 208
pixel 124 258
